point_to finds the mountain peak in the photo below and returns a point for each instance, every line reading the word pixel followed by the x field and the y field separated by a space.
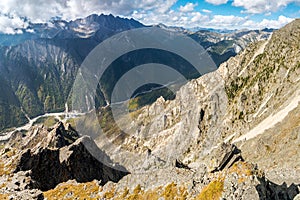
pixel 79 28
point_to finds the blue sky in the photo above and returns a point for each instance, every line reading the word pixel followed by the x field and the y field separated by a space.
pixel 291 10
pixel 221 14
pixel 228 14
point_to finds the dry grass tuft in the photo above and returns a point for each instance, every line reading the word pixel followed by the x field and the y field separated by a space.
pixel 212 191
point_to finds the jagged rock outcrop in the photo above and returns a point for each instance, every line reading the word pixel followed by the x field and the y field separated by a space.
pixel 45 157
pixel 20 187
pixel 71 162
pixel 57 137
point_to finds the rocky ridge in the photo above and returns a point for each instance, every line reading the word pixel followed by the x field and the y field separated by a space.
pixel 250 101
pixel 230 134
pixel 44 157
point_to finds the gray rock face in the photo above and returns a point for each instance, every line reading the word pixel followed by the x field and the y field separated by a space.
pixel 20 187
pixel 256 186
pixel 250 102
pixel 77 163
pixel 27 195
pixel 234 188
pixel 223 157
pixel 49 158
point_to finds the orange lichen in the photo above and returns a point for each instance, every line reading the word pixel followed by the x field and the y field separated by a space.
pixel 87 191
pixel 242 168
pixel 4 197
pixel 212 191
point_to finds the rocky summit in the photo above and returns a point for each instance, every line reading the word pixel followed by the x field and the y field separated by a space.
pixel 231 134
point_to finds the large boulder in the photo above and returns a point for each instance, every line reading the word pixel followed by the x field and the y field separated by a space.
pixel 223 157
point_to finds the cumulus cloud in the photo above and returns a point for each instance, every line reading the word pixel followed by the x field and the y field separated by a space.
pixel 234 22
pixel 33 10
pixel 206 11
pixel 44 10
pixel 259 6
pixel 187 7
pixel 278 23
pixel 11 25
pixel 15 15
pixel 227 21
pixel 217 2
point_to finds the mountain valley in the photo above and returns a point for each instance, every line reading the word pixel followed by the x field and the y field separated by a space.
pixel 38 67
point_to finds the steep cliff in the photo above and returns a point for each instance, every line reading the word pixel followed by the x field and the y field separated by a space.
pixel 230 134
pixel 250 101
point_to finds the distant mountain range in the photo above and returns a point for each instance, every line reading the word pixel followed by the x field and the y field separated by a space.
pixel 98 27
pixel 38 67
pixel 225 31
pixel 222 44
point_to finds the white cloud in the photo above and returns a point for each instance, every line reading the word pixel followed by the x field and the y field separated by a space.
pixel 35 12
pixel 45 10
pixel 217 2
pixel 223 21
pixel 234 22
pixel 278 23
pixel 13 13
pixel 10 24
pixel 188 7
pixel 206 19
pixel 206 11
pixel 174 18
pixel 198 18
pixel 261 6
